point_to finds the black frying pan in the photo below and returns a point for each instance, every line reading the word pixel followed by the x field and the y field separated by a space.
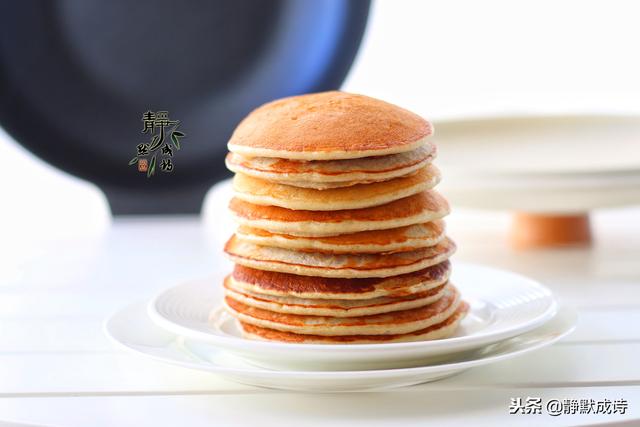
pixel 76 77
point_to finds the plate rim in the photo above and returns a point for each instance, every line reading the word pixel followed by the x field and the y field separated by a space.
pixel 475 340
pixel 261 372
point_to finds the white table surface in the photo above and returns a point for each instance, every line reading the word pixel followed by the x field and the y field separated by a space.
pixel 58 368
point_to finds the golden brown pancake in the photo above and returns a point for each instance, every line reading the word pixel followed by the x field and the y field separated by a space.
pixel 398 322
pixel 336 173
pixel 328 126
pixel 419 208
pixel 440 330
pixel 401 239
pixel 331 185
pixel 336 307
pixel 284 284
pixel 336 265
pixel 261 192
pixel 341 237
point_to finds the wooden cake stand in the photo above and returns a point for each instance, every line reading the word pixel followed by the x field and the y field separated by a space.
pixel 551 171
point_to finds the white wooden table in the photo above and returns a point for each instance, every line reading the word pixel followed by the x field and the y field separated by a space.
pixel 58 368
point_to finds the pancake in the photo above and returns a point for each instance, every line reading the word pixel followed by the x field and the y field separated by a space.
pixel 335 308
pixel 336 265
pixel 401 239
pixel 261 192
pixel 291 285
pixel 440 330
pixel 328 126
pixel 340 173
pixel 419 208
pixel 330 185
pixel 398 322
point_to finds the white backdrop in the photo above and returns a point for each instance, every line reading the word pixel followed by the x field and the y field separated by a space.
pixel 440 58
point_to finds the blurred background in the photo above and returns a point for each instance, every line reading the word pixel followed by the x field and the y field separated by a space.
pixel 441 59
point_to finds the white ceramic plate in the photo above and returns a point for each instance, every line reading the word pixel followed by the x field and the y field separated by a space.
pixel 540 163
pixel 503 305
pixel 132 329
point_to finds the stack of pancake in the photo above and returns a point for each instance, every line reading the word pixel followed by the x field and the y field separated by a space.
pixel 340 237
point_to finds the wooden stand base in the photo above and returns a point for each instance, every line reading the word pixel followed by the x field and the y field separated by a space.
pixel 542 231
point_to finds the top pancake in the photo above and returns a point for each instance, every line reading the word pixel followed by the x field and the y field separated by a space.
pixel 332 173
pixel 328 126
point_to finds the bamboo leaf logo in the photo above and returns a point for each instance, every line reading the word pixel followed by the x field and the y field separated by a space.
pixel 175 138
pixel 152 166
pixel 155 142
pixel 148 152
